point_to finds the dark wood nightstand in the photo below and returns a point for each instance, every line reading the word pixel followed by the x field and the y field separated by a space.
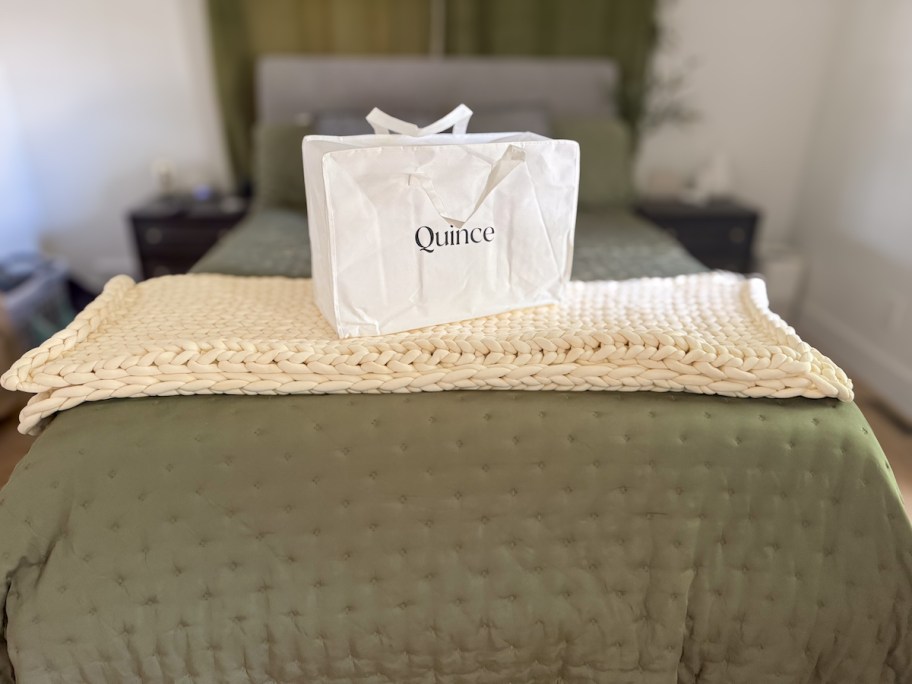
pixel 172 233
pixel 720 233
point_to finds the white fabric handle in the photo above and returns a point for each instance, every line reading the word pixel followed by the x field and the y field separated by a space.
pixel 503 167
pixel 383 123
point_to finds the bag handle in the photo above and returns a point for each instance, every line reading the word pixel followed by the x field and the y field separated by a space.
pixel 383 123
pixel 512 158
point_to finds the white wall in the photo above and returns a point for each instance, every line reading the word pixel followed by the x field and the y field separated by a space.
pixel 100 89
pixel 18 210
pixel 758 66
pixel 855 217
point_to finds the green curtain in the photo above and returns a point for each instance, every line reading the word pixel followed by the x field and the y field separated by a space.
pixel 242 30
pixel 624 30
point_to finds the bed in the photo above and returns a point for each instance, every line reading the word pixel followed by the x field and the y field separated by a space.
pixel 457 536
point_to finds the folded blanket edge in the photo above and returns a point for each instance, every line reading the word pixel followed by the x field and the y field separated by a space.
pixel 18 376
pixel 602 361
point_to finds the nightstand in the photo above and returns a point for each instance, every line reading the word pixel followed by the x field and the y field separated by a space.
pixel 720 234
pixel 172 233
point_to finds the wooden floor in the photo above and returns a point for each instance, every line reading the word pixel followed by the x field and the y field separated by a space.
pixel 894 438
pixel 13 446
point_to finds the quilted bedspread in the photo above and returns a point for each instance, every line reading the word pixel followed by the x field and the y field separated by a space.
pixel 457 537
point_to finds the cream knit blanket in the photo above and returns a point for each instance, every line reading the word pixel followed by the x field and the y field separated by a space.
pixel 709 333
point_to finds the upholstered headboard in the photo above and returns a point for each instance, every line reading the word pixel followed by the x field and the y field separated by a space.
pixel 292 85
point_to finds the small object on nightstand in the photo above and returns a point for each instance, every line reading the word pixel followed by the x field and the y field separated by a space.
pixel 173 232
pixel 663 183
pixel 719 233
pixel 712 181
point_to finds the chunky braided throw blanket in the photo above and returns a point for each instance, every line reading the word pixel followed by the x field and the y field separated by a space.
pixel 205 334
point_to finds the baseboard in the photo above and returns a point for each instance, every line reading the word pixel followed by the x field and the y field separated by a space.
pixel 889 377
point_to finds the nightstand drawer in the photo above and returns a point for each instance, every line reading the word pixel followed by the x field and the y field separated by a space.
pixel 176 238
pixel 711 234
pixel 725 261
pixel 172 233
pixel 719 234
pixel 154 268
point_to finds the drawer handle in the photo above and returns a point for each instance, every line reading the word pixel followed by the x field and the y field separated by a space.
pixel 737 235
pixel 153 236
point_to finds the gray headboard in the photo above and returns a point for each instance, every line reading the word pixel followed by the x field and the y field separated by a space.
pixel 291 85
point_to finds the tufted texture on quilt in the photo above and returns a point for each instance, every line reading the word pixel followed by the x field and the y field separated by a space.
pixel 458 537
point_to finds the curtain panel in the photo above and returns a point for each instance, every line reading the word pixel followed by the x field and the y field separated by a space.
pixel 243 30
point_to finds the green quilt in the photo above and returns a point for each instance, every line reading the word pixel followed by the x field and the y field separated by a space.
pixel 459 536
